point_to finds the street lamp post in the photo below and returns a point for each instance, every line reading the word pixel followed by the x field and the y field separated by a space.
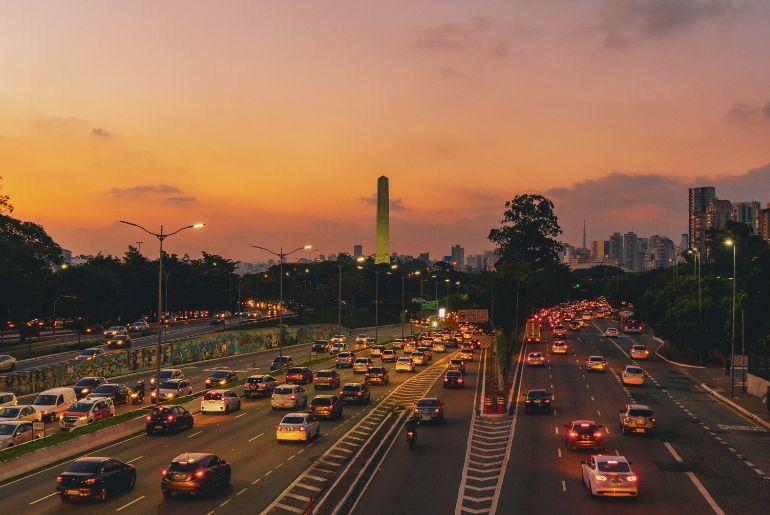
pixel 281 255
pixel 54 308
pixel 731 243
pixel 339 298
pixel 161 237
pixel 697 263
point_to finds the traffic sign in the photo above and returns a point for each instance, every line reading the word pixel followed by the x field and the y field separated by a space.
pixel 472 315
pixel 429 304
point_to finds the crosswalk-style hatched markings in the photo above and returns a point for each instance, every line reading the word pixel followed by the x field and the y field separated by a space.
pixel 736 427
pixel 484 464
pixel 328 466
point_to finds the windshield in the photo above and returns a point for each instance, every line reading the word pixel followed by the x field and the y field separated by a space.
pixel 165 374
pixel 160 411
pixel 284 391
pixel 376 370
pixel 595 358
pixel 183 467
pixel 292 420
pixel 613 466
pixel 7 429
pixel 427 403
pixel 168 385
pixel 633 370
pixel 212 396
pixel 89 352
pixel 256 380
pixel 322 401
pixel 219 375
pixel 343 355
pixel 294 371
pixel 453 374
pixel 45 400
pixel 280 360
pixel 104 389
pixel 87 382
pixel 10 412
pixel 324 374
pixel 537 395
pixel 350 388
pixel 417 354
pixel 589 428
pixel 81 467
pixel 80 407
pixel 640 413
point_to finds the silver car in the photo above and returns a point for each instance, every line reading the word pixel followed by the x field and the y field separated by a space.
pixel 637 418
pixel 7 362
pixel 23 412
pixel 291 396
pixel 14 433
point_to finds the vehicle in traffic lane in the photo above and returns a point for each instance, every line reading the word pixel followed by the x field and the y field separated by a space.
pixel 344 360
pixel 405 364
pixel 95 477
pixel 89 354
pixel 138 326
pixel 299 375
pixel 611 332
pixel 361 365
pixel 453 379
pixel 115 330
pixel 15 432
pixel 535 359
pixel 173 389
pixel 376 375
pixel 456 364
pixel 121 341
pixel 7 363
pixel 559 347
pixel 8 399
pixel 84 412
pixel 280 362
pixel 118 393
pixel 429 408
pixel 289 396
pixel 537 400
pixel 169 419
pixel 465 355
pixel 609 476
pixel 639 351
pixel 297 427
pixel 168 373
pixel 195 473
pixel 326 406
pixel 261 385
pixel 596 364
pixel 637 418
pixel 86 385
pixel 220 401
pixel 221 378
pixel 419 358
pixel 327 378
pixel 20 412
pixel 51 403
pixel 389 355
pixel 584 434
pixel 633 375
pixel 321 346
pixel 355 392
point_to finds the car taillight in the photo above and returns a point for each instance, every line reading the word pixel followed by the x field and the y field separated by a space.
pixel 148 418
pixel 572 434
pixel 170 418
pixel 652 419
pixel 436 410
pixel 631 478
pixel 91 481
pixel 200 473
pixel 310 406
pixel 278 428
pixel 459 379
pixel 416 410
pixel 598 434
pixel 293 397
pixel 302 428
pixel 59 479
pixel 446 379
pixel 359 393
pixel 272 396
pixel 410 434
pixel 600 477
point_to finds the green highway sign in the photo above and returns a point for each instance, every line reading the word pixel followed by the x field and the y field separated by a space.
pixel 429 304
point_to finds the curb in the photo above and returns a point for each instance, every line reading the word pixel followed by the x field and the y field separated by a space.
pixel 743 410
pixel 664 358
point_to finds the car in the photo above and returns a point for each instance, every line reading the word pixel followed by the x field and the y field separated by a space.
pixel 327 378
pixel 390 355
pixel 344 360
pixel 168 418
pixel 119 393
pixel 326 406
pixel 639 351
pixel 21 412
pixel 261 385
pixel 633 326
pixel 418 357
pixel 456 364
pixel 221 378
pixel 297 427
pixel 575 325
pixel 409 346
pixel 427 351
pixel 115 330
pixel 173 389
pixel 535 359
pixel 559 330
pixel 453 379
pixel 611 332
pixel 584 434
pixel 370 342
pixel 632 375
pixel 290 396
pixel 220 401
pixel 338 338
pixel 168 373
pixel 438 347
pixel 596 364
pixel 465 355
pixel 51 403
pixel 195 473
pixel 405 364
pixel 537 400
pixel 320 346
pixel 7 363
pixel 355 392
pixel 280 362
pixel 376 351
pixel 299 375
pixel 338 347
pixel 361 365
pixel 8 399
pixel 361 339
pixel 587 317
pixel 609 476
pixel 398 343
pixel 86 385
pixel 376 375
pixel 86 411
pixel 96 477
pixel 138 326
pixel 89 354
pixel 637 418
pixel 559 347
pixel 429 408
pixel 15 432
pixel 121 341
pixel 216 321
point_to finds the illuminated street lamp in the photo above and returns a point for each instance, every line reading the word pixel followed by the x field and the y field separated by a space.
pixel 731 243
pixel 161 236
pixel 281 255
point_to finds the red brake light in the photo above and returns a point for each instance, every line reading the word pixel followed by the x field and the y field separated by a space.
pixel 359 393
pixel 436 410
pixel 148 418
pixel 446 379
pixel 91 481
pixel 302 428
pixel 170 418
pixel 200 473
pixel 59 479
pixel 459 379
pixel 293 397
pixel 598 434
pixel 572 434
pixel 164 473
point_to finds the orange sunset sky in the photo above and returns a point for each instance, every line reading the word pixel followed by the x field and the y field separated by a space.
pixel 271 121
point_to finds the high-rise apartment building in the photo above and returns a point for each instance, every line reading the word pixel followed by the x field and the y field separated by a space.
pixel 424 256
pixel 458 257
pixel 718 212
pixel 698 201
pixel 358 251
pixel 763 223
pixel 747 213
pixel 599 249
pixel 616 246
pixel 630 259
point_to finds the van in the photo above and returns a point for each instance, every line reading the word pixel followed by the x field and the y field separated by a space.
pixel 51 403
pixel 7 399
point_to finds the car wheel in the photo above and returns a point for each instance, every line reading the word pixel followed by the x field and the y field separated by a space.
pixel 132 481
pixel 226 480
pixel 149 432
pixel 239 405
pixel 167 494
pixel 102 495
pixel 227 409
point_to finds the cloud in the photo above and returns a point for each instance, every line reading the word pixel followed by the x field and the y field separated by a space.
pixel 144 190
pixel 179 200
pixel 447 38
pixel 624 22
pixel 396 204
pixel 100 133
pixel 743 112
pixel 447 72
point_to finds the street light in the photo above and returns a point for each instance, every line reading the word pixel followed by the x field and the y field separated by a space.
pixel 161 236
pixel 731 243
pixel 54 308
pixel 281 255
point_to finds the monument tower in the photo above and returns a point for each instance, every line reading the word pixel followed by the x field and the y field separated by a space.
pixel 382 253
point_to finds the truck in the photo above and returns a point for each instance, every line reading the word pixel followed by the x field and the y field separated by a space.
pixel 532 332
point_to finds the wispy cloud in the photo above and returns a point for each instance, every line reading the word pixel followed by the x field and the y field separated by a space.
pixel 144 190
pixel 98 132
pixel 179 200
pixel 396 204
pixel 744 112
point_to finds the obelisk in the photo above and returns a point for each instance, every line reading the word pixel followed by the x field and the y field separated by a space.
pixel 382 253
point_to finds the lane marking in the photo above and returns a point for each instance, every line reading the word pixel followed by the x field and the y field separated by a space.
pixel 239 493
pixel 129 504
pixel 563 486
pixel 557 429
pixel 673 452
pixel 135 459
pixel 241 415
pixel 195 434
pixel 706 495
pixel 227 501
pixel 558 451
pixel 252 439
pixel 43 498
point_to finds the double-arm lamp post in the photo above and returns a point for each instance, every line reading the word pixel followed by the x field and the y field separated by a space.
pixel 161 237
pixel 281 255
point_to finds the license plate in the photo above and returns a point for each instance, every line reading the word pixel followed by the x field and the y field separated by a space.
pixel 72 492
pixel 158 427
pixel 640 430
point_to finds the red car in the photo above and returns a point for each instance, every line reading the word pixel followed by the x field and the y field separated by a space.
pixel 299 375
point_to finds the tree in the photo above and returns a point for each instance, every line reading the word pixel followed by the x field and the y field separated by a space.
pixel 5 202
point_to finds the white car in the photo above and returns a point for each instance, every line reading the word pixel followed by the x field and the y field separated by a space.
pixel 438 347
pixel 639 351
pixel 298 427
pixel 138 326
pixel 361 339
pixel 361 365
pixel 115 330
pixel 609 476
pixel 89 354
pixel 339 338
pixel 290 396
pixel 220 401
pixel 7 362
pixel 168 373
pixel 23 412
pixel 611 332
pixel 8 399
pixel 405 364
pixel 633 375
pixel 175 388
pixel 86 411
pixel 338 347
pixel 14 433
pixel 597 363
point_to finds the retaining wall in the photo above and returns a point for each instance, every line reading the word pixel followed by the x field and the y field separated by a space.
pixel 141 359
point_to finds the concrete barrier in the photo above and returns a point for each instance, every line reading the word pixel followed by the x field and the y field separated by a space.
pixel 756 386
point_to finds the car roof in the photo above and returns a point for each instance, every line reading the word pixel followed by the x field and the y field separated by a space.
pixel 14 422
pixel 175 380
pixel 605 458
pixel 352 384
pixel 295 414
pixel 596 356
pixel 170 370
pixel 327 396
pixel 638 406
pixel 190 457
pixel 220 390
pixel 578 422
pixel 92 459
pixel 537 390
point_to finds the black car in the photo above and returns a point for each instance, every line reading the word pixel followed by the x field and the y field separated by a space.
pixel 119 393
pixel 280 362
pixel 169 419
pixel 87 385
pixel 355 392
pixel 584 434
pixel 454 379
pixel 95 477
pixel 321 346
pixel 221 378
pixel 537 400
pixel 194 473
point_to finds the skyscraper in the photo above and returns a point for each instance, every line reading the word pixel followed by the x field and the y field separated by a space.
pixel 698 201
pixel 616 246
pixel 747 213
pixel 382 252
pixel 458 257
pixel 358 251
pixel 630 259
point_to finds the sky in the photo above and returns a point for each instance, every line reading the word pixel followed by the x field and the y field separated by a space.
pixel 271 121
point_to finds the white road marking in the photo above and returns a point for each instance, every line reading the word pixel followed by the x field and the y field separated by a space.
pixel 252 439
pixel 557 429
pixel 227 501
pixel 256 481
pixel 241 415
pixel 705 494
pixel 558 451
pixel 195 434
pixel 592 398
pixel 135 459
pixel 242 490
pixel 563 486
pixel 43 498
pixel 599 413
pixel 129 504
pixel 673 452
